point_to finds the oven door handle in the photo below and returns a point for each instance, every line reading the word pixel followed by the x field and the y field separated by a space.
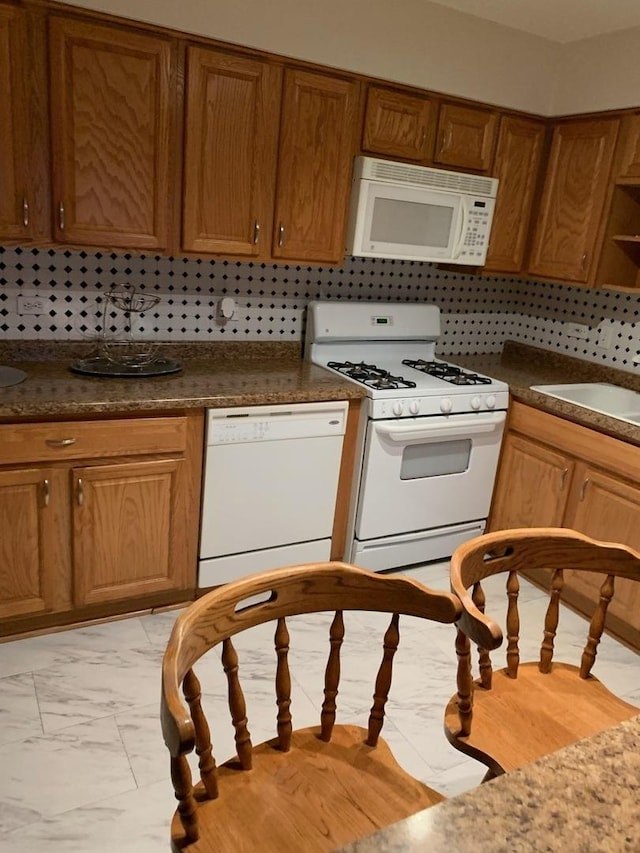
pixel 457 427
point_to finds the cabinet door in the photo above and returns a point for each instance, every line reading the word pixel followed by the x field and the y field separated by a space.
pixel 630 158
pixel 110 98
pixel 317 141
pixel 14 195
pixel 575 190
pixel 606 508
pixel 230 156
pixel 398 124
pixel 129 535
pixel 532 486
pixel 34 556
pixel 517 167
pixel 466 137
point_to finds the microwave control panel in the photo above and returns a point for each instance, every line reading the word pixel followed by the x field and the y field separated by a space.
pixel 476 237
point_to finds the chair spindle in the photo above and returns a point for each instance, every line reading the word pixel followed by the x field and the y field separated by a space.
pixel 237 704
pixel 596 627
pixel 283 686
pixel 465 682
pixel 551 620
pixel 383 680
pixel 332 677
pixel 484 659
pixel 183 787
pixel 513 624
pixel 206 761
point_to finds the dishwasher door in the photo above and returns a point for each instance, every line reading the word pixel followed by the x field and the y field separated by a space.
pixel 270 487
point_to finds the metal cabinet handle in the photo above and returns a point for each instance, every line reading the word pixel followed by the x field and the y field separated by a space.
pixel 583 263
pixel 60 442
pixel 424 136
pixel 256 232
pixel 46 492
pixel 583 490
pixel 280 235
pixel 61 216
pixel 80 492
pixel 563 479
pixel 25 212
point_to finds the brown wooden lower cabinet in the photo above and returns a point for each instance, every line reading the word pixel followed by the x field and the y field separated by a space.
pixel 557 473
pixel 98 534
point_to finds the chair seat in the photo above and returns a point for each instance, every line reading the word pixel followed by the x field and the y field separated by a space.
pixel 520 719
pixel 348 789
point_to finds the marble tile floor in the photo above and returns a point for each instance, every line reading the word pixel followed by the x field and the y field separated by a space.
pixel 83 768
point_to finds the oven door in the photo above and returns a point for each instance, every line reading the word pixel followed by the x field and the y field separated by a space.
pixel 421 473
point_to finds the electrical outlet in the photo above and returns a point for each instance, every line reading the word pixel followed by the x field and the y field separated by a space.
pixel 605 336
pixel 27 304
pixel 576 330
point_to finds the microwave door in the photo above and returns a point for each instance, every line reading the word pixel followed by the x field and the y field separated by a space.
pixel 405 223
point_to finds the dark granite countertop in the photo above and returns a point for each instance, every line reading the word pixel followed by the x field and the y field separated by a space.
pixel 213 375
pixel 522 366
pixel 580 799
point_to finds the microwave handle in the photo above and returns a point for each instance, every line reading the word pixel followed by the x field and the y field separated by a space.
pixel 464 216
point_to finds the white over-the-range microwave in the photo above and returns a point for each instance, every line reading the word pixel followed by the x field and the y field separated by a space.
pixel 416 213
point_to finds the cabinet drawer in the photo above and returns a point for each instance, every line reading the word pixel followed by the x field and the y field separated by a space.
pixel 83 439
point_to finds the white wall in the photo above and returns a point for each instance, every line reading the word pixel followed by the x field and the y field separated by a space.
pixel 598 74
pixel 408 41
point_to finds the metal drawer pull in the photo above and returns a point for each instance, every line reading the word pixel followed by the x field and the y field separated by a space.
pixel 61 216
pixel 583 490
pixel 280 235
pixel 60 442
pixel 563 479
pixel 47 492
pixel 25 212
pixel 80 492
pixel 256 233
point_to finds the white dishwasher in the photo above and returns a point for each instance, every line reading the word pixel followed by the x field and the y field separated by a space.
pixel 270 487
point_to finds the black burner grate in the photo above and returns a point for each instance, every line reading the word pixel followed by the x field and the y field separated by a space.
pixel 448 372
pixel 370 375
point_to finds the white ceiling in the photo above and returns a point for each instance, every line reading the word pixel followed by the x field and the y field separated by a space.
pixel 557 20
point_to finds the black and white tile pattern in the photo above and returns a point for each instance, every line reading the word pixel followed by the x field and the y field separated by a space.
pixel 479 313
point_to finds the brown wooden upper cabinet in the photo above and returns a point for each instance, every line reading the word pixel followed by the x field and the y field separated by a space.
pixel 112 113
pixel 317 143
pixel 399 124
pixel 232 117
pixel 14 179
pixel 577 185
pixel 517 164
pixel 629 169
pixel 466 137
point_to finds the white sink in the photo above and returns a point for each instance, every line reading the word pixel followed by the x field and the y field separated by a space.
pixel 611 400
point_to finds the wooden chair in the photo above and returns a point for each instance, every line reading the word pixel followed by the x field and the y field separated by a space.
pixel 309 789
pixel 515 715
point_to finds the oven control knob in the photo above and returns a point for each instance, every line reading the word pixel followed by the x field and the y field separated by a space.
pixel 414 407
pixel 446 405
pixel 398 408
pixel 491 401
pixel 476 402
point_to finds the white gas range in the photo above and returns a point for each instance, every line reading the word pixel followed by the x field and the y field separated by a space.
pixel 430 435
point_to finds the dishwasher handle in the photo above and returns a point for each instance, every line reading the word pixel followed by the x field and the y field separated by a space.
pixel 274 423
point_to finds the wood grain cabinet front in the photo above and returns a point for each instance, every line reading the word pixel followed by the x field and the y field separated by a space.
pixel 568 236
pixel 231 126
pixel 466 137
pixel 120 527
pixel 517 167
pixel 560 474
pixel 399 124
pixel 112 107
pixel 317 143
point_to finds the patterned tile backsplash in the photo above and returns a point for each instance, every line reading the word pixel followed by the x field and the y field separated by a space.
pixel 478 313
